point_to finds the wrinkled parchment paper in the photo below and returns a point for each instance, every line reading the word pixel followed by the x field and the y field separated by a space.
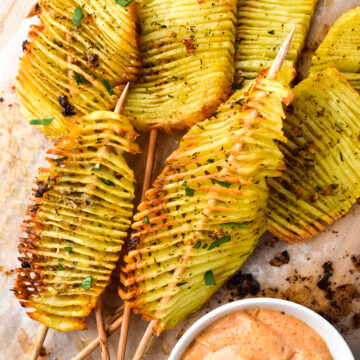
pixel 22 150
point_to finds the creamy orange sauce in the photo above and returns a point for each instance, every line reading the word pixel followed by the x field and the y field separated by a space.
pixel 258 334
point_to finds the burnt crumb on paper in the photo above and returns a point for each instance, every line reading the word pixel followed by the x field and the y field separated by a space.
pixel 280 259
pixel 244 284
pixel 324 282
pixel 355 259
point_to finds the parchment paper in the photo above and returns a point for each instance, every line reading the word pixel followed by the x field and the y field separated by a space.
pixel 22 149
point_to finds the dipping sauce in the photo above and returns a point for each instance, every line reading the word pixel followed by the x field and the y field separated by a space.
pixel 258 334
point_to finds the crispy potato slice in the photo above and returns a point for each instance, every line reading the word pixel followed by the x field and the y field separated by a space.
pixel 76 228
pixel 207 209
pixel 262 26
pixel 187 51
pixel 103 55
pixel 341 48
pixel 322 158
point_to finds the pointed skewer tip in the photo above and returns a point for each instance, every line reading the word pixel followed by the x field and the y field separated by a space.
pixel 121 102
pixel 281 55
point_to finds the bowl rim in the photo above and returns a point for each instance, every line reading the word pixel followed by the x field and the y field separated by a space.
pixel 337 346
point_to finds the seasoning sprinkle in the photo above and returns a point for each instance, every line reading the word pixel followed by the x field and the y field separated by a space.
pixel 123 3
pixel 236 86
pixel 209 278
pixel 68 249
pixel 146 220
pixel 188 191
pixel 45 121
pixel 218 242
pixel 79 79
pixel 87 283
pixel 197 245
pixel 78 15
pixel 96 168
pixel 60 159
pixel 60 267
pixel 106 182
pixel 108 87
pixel 222 183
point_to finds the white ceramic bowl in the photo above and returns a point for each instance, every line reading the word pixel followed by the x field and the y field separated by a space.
pixel 335 342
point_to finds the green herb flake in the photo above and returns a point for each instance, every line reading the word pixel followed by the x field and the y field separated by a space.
pixel 77 16
pixel 45 121
pixel 60 267
pixel 197 245
pixel 108 87
pixel 222 183
pixel 209 278
pixel 210 161
pixel 189 191
pixel 234 224
pixel 87 283
pixel 247 253
pixel 61 159
pixel 237 86
pixel 106 182
pixel 97 168
pixel 123 3
pixel 146 220
pixel 205 246
pixel 79 79
pixel 218 242
pixel 68 249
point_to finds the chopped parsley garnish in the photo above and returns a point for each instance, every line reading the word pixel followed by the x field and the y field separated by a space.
pixel 123 3
pixel 60 267
pixel 45 121
pixel 87 283
pixel 236 86
pixel 77 16
pixel 106 182
pixel 205 246
pixel 61 159
pixel 218 242
pixel 222 183
pixel 188 191
pixel 247 253
pixel 210 161
pixel 146 220
pixel 108 87
pixel 197 245
pixel 68 249
pixel 234 224
pixel 96 168
pixel 209 278
pixel 79 79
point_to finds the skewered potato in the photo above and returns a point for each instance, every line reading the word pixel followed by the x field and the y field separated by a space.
pixel 341 48
pixel 78 223
pixel 322 158
pixel 187 50
pixel 76 61
pixel 207 210
pixel 262 27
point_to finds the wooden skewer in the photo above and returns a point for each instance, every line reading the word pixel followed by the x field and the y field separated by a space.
pixel 146 185
pixel 40 337
pixel 96 342
pixel 105 355
pixel 276 66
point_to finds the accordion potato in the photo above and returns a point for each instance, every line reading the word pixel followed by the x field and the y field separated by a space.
pixel 187 52
pixel 207 210
pixel 341 48
pixel 262 26
pixel 76 61
pixel 322 176
pixel 78 222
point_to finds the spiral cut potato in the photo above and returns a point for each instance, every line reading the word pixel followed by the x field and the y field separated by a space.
pixel 187 52
pixel 262 26
pixel 84 65
pixel 322 158
pixel 341 48
pixel 207 210
pixel 75 229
